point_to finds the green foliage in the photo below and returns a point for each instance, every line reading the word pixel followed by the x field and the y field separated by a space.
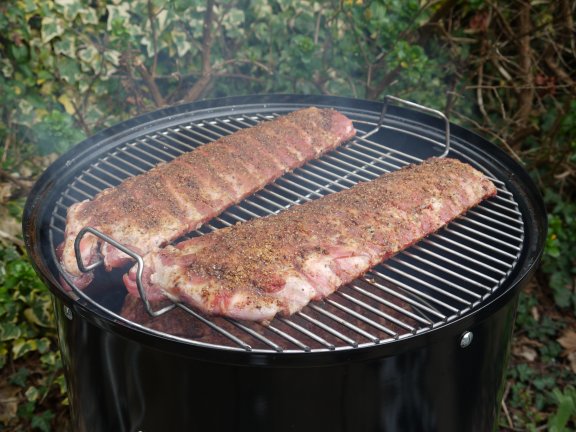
pixel 559 259
pixel 566 410
pixel 68 68
pixel 29 355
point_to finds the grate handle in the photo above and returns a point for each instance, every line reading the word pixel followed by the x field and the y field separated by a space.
pixel 398 101
pixel 137 257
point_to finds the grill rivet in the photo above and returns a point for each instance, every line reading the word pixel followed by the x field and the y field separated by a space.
pixel 466 339
pixel 68 312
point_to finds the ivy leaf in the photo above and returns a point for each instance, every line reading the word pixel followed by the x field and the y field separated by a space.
pixel 112 56
pixel 29 6
pixel 181 41
pixel 69 70
pixel 19 377
pixel 42 421
pixel 66 46
pixel 32 393
pixel 9 331
pixel 69 8
pixel 89 55
pixel 3 356
pixel 6 68
pixel 22 346
pixel 566 401
pixel 117 15
pixel 51 28
pixel 88 16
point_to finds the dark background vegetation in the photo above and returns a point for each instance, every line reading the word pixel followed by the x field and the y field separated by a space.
pixel 506 69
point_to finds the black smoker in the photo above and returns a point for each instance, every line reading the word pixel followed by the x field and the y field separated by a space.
pixel 418 344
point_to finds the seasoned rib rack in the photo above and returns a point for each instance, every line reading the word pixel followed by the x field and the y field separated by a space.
pixel 429 285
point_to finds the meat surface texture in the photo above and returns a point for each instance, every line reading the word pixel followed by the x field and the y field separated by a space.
pixel 278 264
pixel 148 211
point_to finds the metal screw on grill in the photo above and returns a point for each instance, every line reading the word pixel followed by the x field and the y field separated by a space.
pixel 466 339
pixel 68 312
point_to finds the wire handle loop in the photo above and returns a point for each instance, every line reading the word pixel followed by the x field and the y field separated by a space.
pixel 139 270
pixel 399 101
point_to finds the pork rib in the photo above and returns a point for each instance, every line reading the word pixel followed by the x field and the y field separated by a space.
pixel 277 264
pixel 149 210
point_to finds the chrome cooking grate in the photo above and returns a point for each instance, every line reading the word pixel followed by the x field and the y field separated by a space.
pixel 428 285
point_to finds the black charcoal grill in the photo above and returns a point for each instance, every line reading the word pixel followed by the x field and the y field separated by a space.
pixel 419 343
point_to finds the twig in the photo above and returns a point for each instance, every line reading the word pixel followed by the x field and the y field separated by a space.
pixel 152 18
pixel 8 140
pixel 151 84
pixel 526 96
pixel 7 176
pixel 207 37
pixel 493 134
pixel 317 28
pixel 505 407
pixel 80 117
pixel 13 239
pixel 480 72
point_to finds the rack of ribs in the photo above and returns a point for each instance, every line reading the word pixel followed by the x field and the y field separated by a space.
pixel 150 210
pixel 278 264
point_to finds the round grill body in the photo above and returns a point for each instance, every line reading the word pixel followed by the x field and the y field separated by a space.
pixel 420 343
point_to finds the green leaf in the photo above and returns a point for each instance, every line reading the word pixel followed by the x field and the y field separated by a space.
pixel 9 331
pixel 180 39
pixel 51 27
pixel 88 16
pixel 112 56
pixel 89 55
pixel 566 402
pixel 29 6
pixel 6 68
pixel 20 377
pixel 23 346
pixel 42 421
pixel 66 45
pixel 43 345
pixel 117 15
pixel 69 70
pixel 32 394
pixel 69 8
pixel 3 355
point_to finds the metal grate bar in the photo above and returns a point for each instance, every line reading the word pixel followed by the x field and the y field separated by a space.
pixel 362 318
pixel 213 326
pixel 495 230
pixel 343 322
pixel 289 338
pixel 308 333
pixel 255 335
pixel 495 216
pixel 458 265
pixel 409 288
pixel 487 237
pixel 393 306
pixel 442 278
pixel 432 287
pixel 377 312
pixel 371 278
pixel 473 252
pixel 503 208
pixel 328 329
